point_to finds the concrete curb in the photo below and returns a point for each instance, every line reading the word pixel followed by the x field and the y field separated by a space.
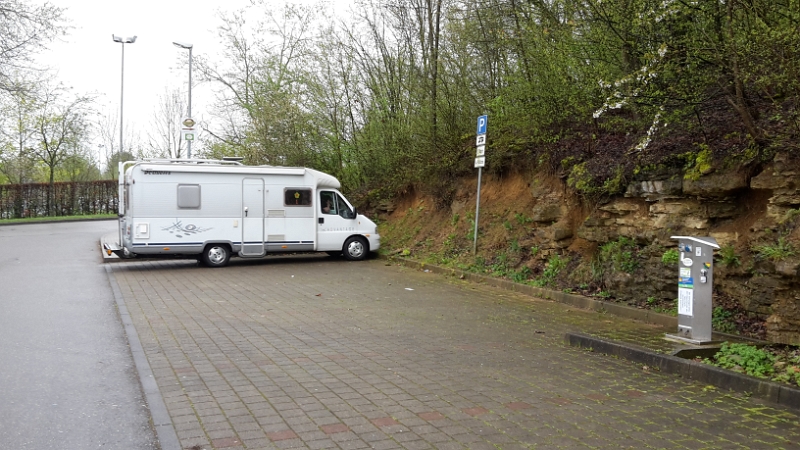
pixel 725 379
pixel 162 422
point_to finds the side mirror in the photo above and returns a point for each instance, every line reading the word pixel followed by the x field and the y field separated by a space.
pixel 355 212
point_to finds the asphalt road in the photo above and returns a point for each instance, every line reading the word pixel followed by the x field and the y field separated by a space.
pixel 67 379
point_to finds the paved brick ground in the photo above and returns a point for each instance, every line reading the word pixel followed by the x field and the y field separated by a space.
pixel 315 352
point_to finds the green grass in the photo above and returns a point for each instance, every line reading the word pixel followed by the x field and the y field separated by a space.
pixel 780 250
pixel 56 219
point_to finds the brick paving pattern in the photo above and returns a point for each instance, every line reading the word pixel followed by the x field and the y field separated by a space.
pixel 318 353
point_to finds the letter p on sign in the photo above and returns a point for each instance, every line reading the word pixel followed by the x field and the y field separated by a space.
pixel 482 123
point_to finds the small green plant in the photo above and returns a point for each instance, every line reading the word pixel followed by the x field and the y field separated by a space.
pixel 791 215
pixel 521 275
pixel 554 266
pixel 781 250
pixel 620 254
pixel 470 229
pixel 534 250
pixel 698 163
pixel 454 219
pixel 514 246
pixel 449 244
pixel 581 179
pixel 500 266
pixel 722 320
pixel 522 219
pixel 671 257
pixel 788 371
pixel 615 184
pixel 744 358
pixel 728 256
pixel 604 295
pixel 651 301
pixel 507 225
pixel 671 310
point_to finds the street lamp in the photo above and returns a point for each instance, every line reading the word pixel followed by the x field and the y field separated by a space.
pixel 123 41
pixel 186 46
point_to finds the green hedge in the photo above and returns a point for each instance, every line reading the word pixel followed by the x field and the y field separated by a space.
pixel 61 199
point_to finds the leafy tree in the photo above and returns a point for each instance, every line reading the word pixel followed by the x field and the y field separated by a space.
pixel 387 101
pixel 61 125
pixel 78 166
pixel 112 165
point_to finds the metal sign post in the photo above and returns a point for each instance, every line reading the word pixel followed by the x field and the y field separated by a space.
pixel 188 134
pixel 480 162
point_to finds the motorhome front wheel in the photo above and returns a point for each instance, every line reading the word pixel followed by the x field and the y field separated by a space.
pixel 355 248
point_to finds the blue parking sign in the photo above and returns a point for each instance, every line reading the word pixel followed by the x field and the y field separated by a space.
pixel 483 121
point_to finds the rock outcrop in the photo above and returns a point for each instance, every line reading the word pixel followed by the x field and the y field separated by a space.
pixel 748 216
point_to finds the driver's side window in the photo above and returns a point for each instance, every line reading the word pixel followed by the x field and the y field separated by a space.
pixel 332 203
pixel 343 209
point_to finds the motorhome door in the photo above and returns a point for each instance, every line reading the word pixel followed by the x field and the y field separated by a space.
pixel 253 229
pixel 335 221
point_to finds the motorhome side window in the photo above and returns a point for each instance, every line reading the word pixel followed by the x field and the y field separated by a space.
pixel 297 197
pixel 189 196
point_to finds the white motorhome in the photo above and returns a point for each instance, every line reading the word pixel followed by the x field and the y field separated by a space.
pixel 212 210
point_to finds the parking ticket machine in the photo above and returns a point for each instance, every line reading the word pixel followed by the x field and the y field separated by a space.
pixel 695 287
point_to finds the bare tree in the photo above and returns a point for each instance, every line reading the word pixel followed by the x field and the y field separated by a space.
pixel 109 152
pixel 108 135
pixel 262 92
pixel 17 112
pixel 165 139
pixel 24 30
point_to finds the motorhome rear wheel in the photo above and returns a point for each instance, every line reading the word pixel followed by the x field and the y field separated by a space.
pixel 216 255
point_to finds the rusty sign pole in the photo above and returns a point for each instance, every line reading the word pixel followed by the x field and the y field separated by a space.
pixel 480 162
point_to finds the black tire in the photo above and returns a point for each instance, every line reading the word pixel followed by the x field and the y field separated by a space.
pixel 355 248
pixel 216 255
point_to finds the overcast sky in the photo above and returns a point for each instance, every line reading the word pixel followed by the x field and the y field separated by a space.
pixel 90 61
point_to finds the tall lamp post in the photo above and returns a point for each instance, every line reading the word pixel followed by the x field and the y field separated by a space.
pixel 186 46
pixel 123 41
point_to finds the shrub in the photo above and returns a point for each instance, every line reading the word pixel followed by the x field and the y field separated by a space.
pixel 721 320
pixel 745 358
pixel 728 256
pixel 620 254
pixel 671 257
pixel 554 266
